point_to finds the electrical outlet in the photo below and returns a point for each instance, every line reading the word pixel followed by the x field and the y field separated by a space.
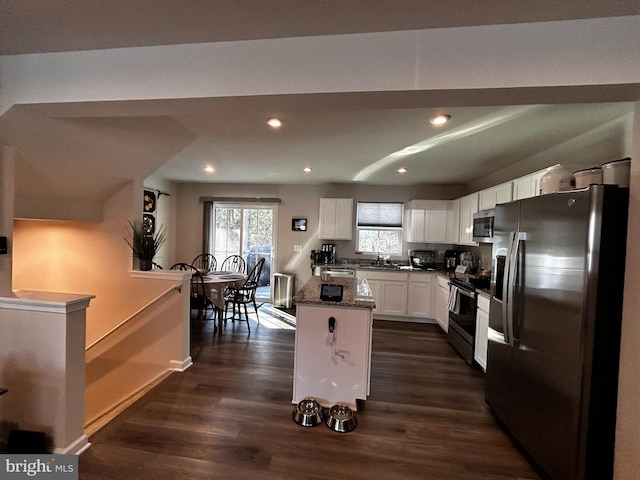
pixel 297 248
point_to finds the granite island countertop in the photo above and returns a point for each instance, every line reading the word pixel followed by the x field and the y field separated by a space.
pixel 356 293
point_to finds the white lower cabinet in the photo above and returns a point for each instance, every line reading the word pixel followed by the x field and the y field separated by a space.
pixel 442 303
pixel 393 298
pixel 420 295
pixel 482 331
pixel 389 291
pixel 400 294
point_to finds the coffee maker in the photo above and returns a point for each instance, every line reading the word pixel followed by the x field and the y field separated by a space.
pixel 326 255
pixel 451 259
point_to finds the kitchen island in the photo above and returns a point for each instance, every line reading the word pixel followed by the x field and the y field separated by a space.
pixel 332 358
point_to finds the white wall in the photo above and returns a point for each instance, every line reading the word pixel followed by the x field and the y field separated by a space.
pixel 627 464
pixel 83 257
pixel 297 201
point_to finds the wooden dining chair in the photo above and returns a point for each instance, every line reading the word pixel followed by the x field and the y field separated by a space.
pixel 205 261
pixel 181 266
pixel 240 297
pixel 199 299
pixel 233 263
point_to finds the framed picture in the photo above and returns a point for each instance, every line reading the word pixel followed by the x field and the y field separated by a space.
pixel 149 223
pixel 149 202
pixel 299 224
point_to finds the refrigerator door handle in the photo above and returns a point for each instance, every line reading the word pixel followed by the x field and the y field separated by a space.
pixel 514 278
pixel 510 268
pixel 505 290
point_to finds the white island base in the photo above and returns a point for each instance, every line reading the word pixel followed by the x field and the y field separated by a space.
pixel 333 368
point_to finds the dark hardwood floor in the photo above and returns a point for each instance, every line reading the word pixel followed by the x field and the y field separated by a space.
pixel 229 417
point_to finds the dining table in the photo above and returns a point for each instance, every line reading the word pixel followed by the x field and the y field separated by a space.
pixel 217 283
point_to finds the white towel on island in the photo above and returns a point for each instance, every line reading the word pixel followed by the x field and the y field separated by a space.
pixel 454 300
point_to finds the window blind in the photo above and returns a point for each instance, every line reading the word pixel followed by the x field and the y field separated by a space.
pixel 372 214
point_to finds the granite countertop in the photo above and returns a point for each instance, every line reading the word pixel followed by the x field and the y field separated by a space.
pixel 356 293
pixel 371 267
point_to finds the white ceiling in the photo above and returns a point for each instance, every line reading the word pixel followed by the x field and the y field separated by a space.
pixel 344 138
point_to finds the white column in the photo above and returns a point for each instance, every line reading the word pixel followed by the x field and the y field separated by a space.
pixel 7 189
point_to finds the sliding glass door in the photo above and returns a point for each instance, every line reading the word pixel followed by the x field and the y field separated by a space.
pixel 247 230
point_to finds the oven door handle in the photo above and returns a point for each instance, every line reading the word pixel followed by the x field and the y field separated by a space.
pixel 466 293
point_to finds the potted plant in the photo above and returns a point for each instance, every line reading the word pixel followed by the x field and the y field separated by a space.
pixel 145 245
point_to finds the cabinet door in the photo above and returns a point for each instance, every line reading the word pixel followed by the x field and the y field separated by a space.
pixel 436 221
pixel 504 193
pixel 536 179
pixel 453 221
pixel 527 186
pixel 344 219
pixel 419 296
pixel 442 303
pixel 416 216
pixel 468 206
pixel 393 298
pixel 336 218
pixel 522 187
pixel 490 197
pixel 487 199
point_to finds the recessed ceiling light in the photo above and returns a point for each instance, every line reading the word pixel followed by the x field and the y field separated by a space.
pixel 209 169
pixel 440 120
pixel 402 170
pixel 306 169
pixel 274 122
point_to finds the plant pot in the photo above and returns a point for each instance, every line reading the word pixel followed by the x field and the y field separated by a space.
pixel 146 265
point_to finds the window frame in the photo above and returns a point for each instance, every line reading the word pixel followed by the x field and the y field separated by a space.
pixel 398 230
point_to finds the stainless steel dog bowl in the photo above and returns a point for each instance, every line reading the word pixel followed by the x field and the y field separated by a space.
pixel 341 419
pixel 308 413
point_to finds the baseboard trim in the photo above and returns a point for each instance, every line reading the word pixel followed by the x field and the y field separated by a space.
pixel 393 318
pixel 99 422
pixel 180 366
pixel 74 448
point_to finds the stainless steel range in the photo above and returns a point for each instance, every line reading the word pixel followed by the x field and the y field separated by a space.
pixel 462 317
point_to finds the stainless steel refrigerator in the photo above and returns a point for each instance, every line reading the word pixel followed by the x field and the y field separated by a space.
pixel 554 327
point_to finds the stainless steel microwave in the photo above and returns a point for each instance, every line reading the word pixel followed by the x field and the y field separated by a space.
pixel 483 226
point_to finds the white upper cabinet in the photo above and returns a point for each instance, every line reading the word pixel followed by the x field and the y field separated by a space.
pixel 427 221
pixel 468 206
pixel 527 186
pixel 490 197
pixel 336 218
pixel 453 221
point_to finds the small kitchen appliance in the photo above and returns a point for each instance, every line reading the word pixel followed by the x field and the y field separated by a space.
pixel 326 255
pixel 422 259
pixel 451 259
pixel 483 226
